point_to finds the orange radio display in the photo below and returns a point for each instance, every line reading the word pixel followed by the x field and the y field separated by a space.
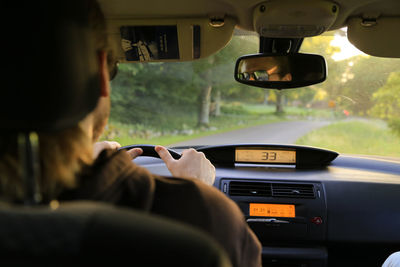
pixel 272 210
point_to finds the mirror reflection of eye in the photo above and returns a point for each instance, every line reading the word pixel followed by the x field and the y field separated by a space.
pixel 280 71
pixel 261 75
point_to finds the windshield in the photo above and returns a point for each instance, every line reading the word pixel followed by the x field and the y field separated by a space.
pixel 355 111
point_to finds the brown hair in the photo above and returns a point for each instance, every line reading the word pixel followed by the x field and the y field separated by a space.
pixel 63 154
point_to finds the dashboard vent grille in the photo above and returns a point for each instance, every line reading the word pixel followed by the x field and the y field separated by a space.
pixel 250 189
pixel 293 190
pixel 260 189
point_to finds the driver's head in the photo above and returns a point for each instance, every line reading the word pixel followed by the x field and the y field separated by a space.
pixel 45 56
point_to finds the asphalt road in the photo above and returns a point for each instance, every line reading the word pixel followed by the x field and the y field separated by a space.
pixel 273 133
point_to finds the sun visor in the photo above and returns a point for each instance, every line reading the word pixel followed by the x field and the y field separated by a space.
pixel 378 37
pixel 168 40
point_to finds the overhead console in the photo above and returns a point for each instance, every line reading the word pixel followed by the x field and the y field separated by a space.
pixel 288 19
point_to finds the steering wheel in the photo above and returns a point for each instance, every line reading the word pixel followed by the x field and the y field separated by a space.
pixel 149 151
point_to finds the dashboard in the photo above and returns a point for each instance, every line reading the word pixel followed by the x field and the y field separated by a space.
pixel 345 212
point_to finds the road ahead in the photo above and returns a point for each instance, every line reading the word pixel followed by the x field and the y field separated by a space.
pixel 279 132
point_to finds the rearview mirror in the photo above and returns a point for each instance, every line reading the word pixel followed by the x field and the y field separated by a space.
pixel 280 71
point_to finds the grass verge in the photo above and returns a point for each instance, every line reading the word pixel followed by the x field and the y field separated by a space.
pixel 355 137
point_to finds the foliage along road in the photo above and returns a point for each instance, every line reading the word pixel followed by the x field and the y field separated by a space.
pixel 273 133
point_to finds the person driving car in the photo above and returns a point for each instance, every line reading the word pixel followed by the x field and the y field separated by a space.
pixel 70 171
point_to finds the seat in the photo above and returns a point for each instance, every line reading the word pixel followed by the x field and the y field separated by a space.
pixel 90 233
pixel 52 83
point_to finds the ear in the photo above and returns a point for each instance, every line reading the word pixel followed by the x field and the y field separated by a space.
pixel 104 75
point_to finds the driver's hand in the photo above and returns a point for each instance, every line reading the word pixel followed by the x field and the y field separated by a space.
pixel 100 146
pixel 192 164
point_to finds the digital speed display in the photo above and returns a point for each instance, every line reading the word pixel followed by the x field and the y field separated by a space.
pixel 272 210
pixel 256 155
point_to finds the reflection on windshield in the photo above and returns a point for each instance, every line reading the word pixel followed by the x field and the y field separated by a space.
pixel 355 110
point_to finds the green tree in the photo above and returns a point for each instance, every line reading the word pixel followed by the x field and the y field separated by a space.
pixel 363 76
pixel 387 102
pixel 205 84
pixel 214 77
pixel 224 66
pixel 149 93
pixel 387 99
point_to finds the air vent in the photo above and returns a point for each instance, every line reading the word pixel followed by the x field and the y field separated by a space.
pixel 250 189
pixel 293 190
pixel 259 189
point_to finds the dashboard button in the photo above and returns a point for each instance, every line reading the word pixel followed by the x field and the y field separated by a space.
pixel 316 220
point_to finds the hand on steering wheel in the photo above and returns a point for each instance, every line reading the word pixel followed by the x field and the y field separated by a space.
pixel 100 146
pixel 191 164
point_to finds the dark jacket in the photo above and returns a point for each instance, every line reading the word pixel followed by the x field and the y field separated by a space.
pixel 114 178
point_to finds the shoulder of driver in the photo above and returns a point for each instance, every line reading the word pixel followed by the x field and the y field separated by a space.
pixel 117 179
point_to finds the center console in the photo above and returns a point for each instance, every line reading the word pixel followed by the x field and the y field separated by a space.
pixel 289 218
